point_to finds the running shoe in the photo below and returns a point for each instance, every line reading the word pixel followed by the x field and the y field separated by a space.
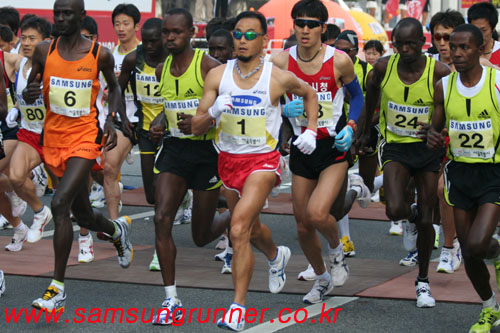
pixel 348 246
pixel 339 270
pixel 18 239
pixel 226 268
pixel 124 249
pixel 410 235
pixel 171 312
pixel 154 265
pixel 445 261
pixel 234 320
pixel 40 180
pixel 320 289
pixel 457 254
pixel 307 275
pixel 52 299
pixel 2 283
pixel 487 319
pixel 187 216
pixel 277 276
pixel 4 224
pixel 424 296
pixel 436 237
pixel 40 220
pixel 222 243
pixel 220 256
pixel 86 248
pixel 185 204
pixel 396 228
pixel 410 260
pixel 18 204
pixel 365 196
pixel 97 198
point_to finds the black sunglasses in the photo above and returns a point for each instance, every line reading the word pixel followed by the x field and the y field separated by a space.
pixel 249 35
pixel 311 24
pixel 347 50
pixel 437 37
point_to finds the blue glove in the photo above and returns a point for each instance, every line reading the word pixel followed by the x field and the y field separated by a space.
pixel 343 140
pixel 294 108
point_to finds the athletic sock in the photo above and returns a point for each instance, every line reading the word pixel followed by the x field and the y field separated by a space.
pixel 58 284
pixel 337 250
pixel 378 182
pixel 343 225
pixel 357 189
pixel 491 303
pixel 19 226
pixel 325 276
pixel 171 291
pixel 425 279
pixel 448 247
pixel 40 210
pixel 229 250
pixel 117 232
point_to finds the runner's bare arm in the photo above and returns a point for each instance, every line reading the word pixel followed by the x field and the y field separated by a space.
pixel 280 60
pixel 437 132
pixel 440 70
pixel 128 65
pixel 202 121
pixel 33 88
pixel 12 63
pixel 207 63
pixel 3 97
pixel 106 64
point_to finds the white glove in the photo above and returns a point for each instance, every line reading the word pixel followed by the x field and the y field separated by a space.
pixel 306 142
pixel 11 118
pixel 222 103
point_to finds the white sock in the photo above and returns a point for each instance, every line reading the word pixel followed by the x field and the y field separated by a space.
pixel 59 285
pixel 491 303
pixel 357 189
pixel 20 225
pixel 378 182
pixel 325 276
pixel 343 225
pixel 229 250
pixel 171 291
pixel 337 250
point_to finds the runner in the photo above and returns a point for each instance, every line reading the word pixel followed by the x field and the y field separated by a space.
pixel 485 16
pixel 10 16
pixel 466 109
pixel 318 180
pixel 185 161
pixel 406 81
pixel 248 137
pixel 6 38
pixel 72 138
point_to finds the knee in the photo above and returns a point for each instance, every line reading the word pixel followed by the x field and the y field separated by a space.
pixel 16 179
pixel 200 240
pixel 163 223
pixel 440 192
pixel 477 249
pixel 59 205
pixel 110 170
pixel 316 218
pixel 396 211
pixel 303 230
pixel 239 235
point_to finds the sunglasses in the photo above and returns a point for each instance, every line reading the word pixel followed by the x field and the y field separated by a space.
pixel 437 37
pixel 311 24
pixel 88 36
pixel 249 35
pixel 347 50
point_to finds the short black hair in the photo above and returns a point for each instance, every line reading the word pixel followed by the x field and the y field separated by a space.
pixel 10 16
pixel 152 23
pixel 40 24
pixel 290 41
pixel 25 18
pixel 6 33
pixel 127 9
pixel 409 22
pixel 477 35
pixel 255 15
pixel 310 8
pixel 225 34
pixel 89 24
pixel 229 23
pixel 374 44
pixel 181 11
pixel 332 31
pixel 483 10
pixel 214 24
pixel 448 19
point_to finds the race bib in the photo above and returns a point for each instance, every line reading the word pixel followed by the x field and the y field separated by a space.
pixel 147 89
pixel 325 111
pixel 172 110
pixel 70 97
pixel 244 126
pixel 34 114
pixel 403 119
pixel 473 139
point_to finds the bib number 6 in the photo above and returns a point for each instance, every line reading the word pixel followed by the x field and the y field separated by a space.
pixel 69 98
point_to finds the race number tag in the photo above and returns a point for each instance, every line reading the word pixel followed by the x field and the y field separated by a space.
pixel 473 139
pixel 34 114
pixel 403 119
pixel 325 111
pixel 244 126
pixel 172 108
pixel 70 97
pixel 147 89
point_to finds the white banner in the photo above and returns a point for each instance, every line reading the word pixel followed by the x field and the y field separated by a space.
pixel 144 6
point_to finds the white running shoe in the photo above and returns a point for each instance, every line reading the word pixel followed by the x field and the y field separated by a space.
pixel 277 276
pixel 171 312
pixel 339 270
pixel 52 299
pixel 364 198
pixel 40 180
pixel 18 204
pixel 130 157
pixel 154 265
pixel 320 289
pixel 410 260
pixel 424 296
pixel 307 275
pixel 396 228
pixel 185 204
pixel 234 320
pixel 445 261
pixel 226 268
pixel 123 246
pixel 4 224
pixel 221 256
pixel 222 243
pixel 410 235
pixel 18 239
pixel 436 236
pixel 86 248
pixel 2 283
pixel 457 254
pixel 40 220
pixel 97 198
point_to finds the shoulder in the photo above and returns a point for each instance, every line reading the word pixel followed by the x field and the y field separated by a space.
pixel 342 59
pixel 207 62
pixel 281 59
pixel 441 69
pixel 105 56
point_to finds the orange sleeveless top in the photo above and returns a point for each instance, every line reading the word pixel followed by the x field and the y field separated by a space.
pixel 70 90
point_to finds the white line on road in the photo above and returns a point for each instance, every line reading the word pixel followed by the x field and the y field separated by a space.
pixel 277 324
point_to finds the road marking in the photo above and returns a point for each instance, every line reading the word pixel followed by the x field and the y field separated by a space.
pixel 274 325
pixel 149 213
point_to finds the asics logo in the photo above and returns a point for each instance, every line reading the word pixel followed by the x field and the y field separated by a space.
pixel 84 69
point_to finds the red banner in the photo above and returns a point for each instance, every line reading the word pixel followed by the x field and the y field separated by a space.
pixel 468 3
pixel 392 7
pixel 415 8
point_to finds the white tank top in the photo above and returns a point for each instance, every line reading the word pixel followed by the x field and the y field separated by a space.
pixel 32 115
pixel 253 125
